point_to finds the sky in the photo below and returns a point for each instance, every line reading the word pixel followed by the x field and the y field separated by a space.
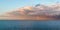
pixel 10 5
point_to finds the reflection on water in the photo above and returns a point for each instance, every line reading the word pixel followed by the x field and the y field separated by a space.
pixel 29 25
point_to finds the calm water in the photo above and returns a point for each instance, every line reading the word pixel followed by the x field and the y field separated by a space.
pixel 29 25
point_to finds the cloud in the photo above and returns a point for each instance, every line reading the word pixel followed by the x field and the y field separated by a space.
pixel 39 9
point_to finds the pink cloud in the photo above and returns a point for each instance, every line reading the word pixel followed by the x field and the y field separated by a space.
pixel 39 9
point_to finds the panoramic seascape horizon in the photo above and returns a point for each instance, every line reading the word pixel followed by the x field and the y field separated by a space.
pixel 29 14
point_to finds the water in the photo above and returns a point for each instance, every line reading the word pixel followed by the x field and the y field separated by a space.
pixel 29 25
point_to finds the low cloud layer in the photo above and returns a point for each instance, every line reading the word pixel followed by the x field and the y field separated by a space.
pixel 39 10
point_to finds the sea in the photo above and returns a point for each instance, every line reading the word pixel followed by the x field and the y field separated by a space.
pixel 29 25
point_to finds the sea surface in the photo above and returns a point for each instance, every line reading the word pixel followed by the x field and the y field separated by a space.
pixel 29 25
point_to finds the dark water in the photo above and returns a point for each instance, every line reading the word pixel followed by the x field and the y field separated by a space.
pixel 29 25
